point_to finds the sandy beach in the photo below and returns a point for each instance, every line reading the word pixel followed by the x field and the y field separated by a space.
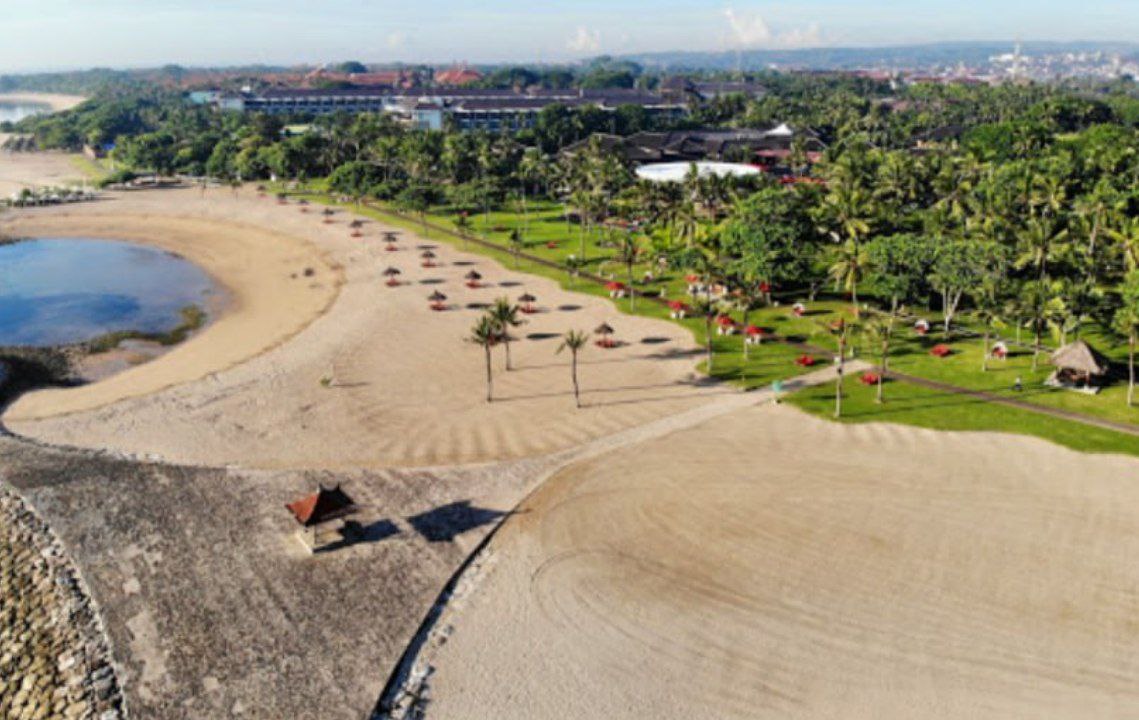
pixel 772 565
pixel 405 388
pixel 37 169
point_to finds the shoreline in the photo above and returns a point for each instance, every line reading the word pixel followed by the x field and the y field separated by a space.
pixel 242 261
pixel 55 102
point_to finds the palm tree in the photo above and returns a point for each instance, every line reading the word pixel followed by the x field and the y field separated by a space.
pixel 517 243
pixel 842 330
pixel 989 313
pixel 1127 322
pixel 463 225
pixel 574 341
pixel 706 308
pixel 504 314
pixel 878 331
pixel 485 333
pixel 627 251
pixel 848 268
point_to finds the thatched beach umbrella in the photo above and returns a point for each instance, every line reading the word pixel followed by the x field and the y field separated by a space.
pixel 428 258
pixel 355 225
pixel 437 300
pixel 391 274
pixel 527 301
pixel 605 331
pixel 303 205
pixel 473 278
pixel 327 213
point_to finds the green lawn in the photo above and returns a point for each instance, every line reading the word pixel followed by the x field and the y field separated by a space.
pixel 550 237
pixel 913 405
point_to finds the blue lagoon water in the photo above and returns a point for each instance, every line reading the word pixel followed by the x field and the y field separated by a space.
pixel 56 291
pixel 17 111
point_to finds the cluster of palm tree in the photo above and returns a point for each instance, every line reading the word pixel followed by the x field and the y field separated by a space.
pixel 492 329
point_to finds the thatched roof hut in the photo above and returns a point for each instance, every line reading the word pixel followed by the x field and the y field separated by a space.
pixel 1081 359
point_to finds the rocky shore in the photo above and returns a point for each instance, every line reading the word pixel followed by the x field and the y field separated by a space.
pixel 54 657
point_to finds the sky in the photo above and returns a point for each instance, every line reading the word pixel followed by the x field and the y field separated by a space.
pixel 64 34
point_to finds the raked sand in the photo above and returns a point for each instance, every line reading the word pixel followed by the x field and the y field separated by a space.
pixel 406 389
pixel 771 565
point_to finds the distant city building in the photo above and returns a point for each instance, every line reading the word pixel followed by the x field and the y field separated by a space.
pixel 458 75
pixel 771 150
pixel 433 108
pixel 683 89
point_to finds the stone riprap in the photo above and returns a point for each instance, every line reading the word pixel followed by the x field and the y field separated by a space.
pixel 54 657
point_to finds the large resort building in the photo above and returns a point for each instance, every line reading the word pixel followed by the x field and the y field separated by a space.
pixel 433 108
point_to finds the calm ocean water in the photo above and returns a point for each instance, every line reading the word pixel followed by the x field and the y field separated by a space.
pixel 55 291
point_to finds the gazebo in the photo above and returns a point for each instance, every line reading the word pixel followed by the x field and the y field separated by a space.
pixel 438 301
pixel 616 289
pixel 528 301
pixel 392 275
pixel 605 331
pixel 315 514
pixel 1079 366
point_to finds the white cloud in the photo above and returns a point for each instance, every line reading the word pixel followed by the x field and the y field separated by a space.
pixel 397 40
pixel 750 30
pixel 585 40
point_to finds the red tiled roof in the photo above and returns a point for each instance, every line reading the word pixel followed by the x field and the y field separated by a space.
pixel 327 504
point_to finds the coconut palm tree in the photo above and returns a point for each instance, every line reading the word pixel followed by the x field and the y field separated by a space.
pixel 485 334
pixel 517 243
pixel 878 331
pixel 707 309
pixel 988 311
pixel 463 225
pixel 627 252
pixel 848 268
pixel 1127 323
pixel 504 314
pixel 843 331
pixel 574 341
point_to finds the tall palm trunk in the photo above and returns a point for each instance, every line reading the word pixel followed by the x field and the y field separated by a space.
pixel 708 339
pixel 985 355
pixel 882 370
pixel 747 311
pixel 489 377
pixel 506 346
pixel 1035 349
pixel 576 389
pixel 632 292
pixel 838 378
pixel 1131 371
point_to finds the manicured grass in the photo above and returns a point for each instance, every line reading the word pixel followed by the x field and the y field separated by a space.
pixel 913 405
pixel 550 237
pixel 92 170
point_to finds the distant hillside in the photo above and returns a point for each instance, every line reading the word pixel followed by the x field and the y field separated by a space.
pixel 909 56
